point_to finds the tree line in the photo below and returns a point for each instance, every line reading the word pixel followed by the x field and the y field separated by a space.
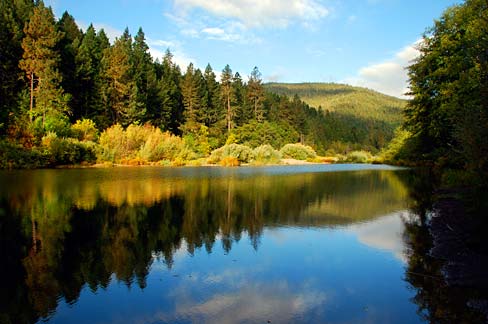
pixel 54 74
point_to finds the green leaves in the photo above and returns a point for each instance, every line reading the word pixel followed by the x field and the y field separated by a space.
pixel 448 115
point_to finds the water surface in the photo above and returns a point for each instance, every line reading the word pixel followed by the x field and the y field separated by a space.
pixel 218 245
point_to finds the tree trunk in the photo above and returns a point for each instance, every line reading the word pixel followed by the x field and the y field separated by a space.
pixel 31 95
pixel 228 114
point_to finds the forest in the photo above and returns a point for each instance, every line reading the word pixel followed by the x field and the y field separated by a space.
pixel 446 121
pixel 70 96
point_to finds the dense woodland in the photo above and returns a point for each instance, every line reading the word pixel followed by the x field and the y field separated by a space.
pixel 62 87
pixel 446 122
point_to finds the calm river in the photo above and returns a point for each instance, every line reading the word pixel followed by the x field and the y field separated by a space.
pixel 301 244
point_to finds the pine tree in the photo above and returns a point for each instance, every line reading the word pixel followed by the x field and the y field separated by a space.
pixel 243 113
pixel 120 89
pixel 13 15
pixel 40 63
pixel 68 48
pixel 192 92
pixel 255 94
pixel 211 108
pixel 227 95
pixel 172 102
pixel 143 74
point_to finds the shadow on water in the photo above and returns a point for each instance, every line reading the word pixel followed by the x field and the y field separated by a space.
pixel 447 251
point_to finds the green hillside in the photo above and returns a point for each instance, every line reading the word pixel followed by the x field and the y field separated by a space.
pixel 356 115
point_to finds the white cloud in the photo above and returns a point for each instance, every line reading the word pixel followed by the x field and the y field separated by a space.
pixel 258 13
pixel 214 29
pixel 389 77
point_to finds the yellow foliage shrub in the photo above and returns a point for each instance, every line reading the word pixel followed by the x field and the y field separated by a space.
pixel 229 161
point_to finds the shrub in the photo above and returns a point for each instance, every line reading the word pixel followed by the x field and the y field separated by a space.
pixel 162 146
pixel 230 161
pixel 146 142
pixel 68 150
pixel 241 152
pixel 53 122
pixel 136 136
pixel 85 130
pixel 266 154
pixel 298 151
pixel 359 157
pixel 13 156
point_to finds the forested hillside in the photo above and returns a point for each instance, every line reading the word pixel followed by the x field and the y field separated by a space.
pixel 355 115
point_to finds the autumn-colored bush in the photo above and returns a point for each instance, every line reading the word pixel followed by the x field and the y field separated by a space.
pixel 162 146
pixel 84 130
pixel 147 143
pixel 229 161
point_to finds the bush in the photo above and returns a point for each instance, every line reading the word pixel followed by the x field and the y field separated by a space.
pixel 359 157
pixel 112 144
pixel 68 150
pixel 242 153
pixel 162 146
pixel 85 130
pixel 266 154
pixel 144 142
pixel 53 122
pixel 13 156
pixel 298 152
pixel 229 161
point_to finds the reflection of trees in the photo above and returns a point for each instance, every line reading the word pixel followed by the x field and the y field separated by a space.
pixel 439 236
pixel 72 231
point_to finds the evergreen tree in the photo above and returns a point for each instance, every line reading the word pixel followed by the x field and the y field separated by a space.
pixel 120 90
pixel 68 48
pixel 191 90
pixel 255 94
pixel 227 95
pixel 40 63
pixel 87 71
pixel 211 108
pixel 172 103
pixel 143 74
pixel 243 113
pixel 13 15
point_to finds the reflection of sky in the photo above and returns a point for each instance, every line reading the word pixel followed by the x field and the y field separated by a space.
pixel 333 275
pixel 384 233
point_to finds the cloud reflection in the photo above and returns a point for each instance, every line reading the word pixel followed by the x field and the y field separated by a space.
pixel 385 233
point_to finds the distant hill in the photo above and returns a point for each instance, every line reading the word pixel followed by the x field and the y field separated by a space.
pixel 358 115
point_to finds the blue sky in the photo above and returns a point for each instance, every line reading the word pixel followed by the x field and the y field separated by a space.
pixel 359 42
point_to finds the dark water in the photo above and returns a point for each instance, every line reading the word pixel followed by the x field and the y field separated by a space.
pixel 322 244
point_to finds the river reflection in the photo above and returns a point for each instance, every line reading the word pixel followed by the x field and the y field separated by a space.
pixel 161 245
